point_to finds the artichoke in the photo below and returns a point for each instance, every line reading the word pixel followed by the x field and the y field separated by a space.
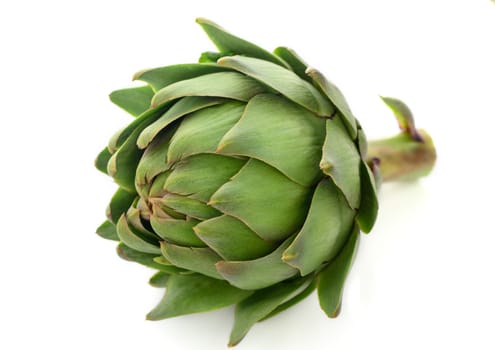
pixel 243 179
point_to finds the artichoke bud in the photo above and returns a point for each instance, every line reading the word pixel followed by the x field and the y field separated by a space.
pixel 245 173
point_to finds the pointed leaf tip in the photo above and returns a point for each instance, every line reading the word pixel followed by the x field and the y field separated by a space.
pixel 101 161
pixel 134 100
pixel 326 166
pixel 201 20
pixel 229 44
pixel 404 117
pixel 194 293
pixel 294 61
pixel 261 304
pixel 331 280
pixel 107 230
pixel 334 94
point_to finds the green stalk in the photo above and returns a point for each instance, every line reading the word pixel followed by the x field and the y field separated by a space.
pixel 403 157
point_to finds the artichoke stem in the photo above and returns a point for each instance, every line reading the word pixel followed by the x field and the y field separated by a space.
pixel 401 157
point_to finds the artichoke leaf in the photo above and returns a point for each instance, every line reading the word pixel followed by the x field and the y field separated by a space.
pixel 154 160
pixel 294 61
pixel 404 117
pixel 294 300
pixel 123 163
pixel 156 188
pixel 121 201
pixel 158 78
pixel 368 209
pixel 259 305
pixel 264 199
pixel 159 279
pixel 133 239
pixel 188 294
pixel 190 207
pixel 209 57
pixel 183 107
pixel 202 130
pixel 107 230
pixel 121 136
pixel 145 259
pixel 229 44
pixel 159 209
pixel 258 273
pixel 177 231
pixel 341 160
pixel 324 232
pixel 294 149
pixel 232 239
pixel 282 80
pixel 101 161
pixel 230 85
pixel 215 170
pixel 330 281
pixel 136 224
pixel 134 100
pixel 337 98
pixel 201 260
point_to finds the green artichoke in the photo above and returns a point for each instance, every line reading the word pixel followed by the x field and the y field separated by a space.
pixel 242 180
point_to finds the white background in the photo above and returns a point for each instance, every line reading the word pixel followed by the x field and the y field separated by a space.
pixel 424 278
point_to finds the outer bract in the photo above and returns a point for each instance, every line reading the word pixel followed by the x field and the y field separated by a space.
pixel 242 181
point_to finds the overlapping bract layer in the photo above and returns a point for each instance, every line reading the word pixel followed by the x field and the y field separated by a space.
pixel 242 181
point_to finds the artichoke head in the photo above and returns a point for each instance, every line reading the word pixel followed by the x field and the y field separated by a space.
pixel 242 180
